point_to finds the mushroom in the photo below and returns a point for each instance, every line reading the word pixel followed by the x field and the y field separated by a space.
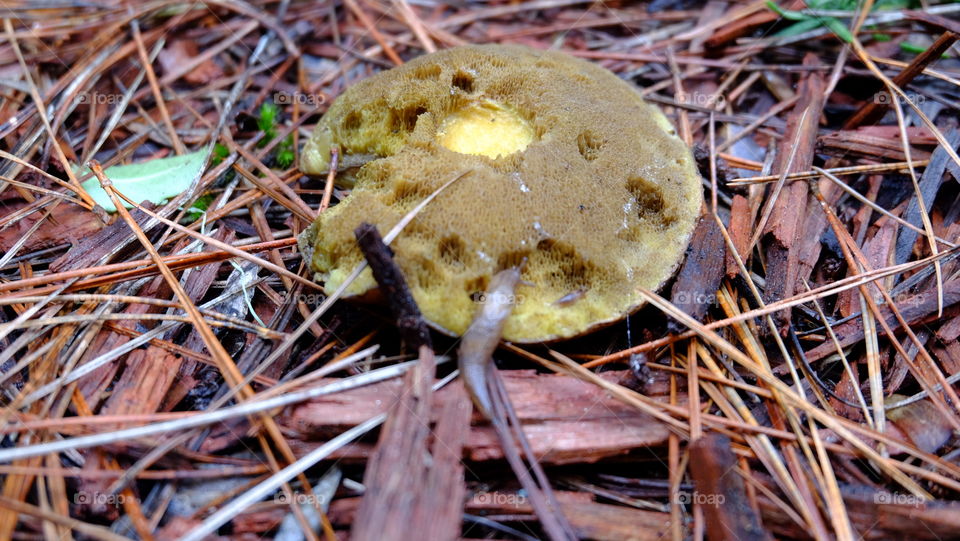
pixel 571 174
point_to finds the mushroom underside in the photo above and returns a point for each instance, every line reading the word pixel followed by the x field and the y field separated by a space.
pixel 569 174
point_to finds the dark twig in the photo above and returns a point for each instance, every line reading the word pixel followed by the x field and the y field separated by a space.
pixel 413 329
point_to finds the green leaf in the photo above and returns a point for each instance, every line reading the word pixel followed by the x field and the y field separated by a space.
pixel 154 181
pixel 798 28
pixel 838 28
pixel 787 14
pixel 913 48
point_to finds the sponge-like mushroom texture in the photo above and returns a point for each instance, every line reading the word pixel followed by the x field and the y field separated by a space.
pixel 566 171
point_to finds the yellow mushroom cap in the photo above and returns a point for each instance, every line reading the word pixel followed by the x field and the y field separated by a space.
pixel 569 170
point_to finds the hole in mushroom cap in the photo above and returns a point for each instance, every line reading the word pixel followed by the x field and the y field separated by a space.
pixel 559 269
pixel 589 145
pixel 427 71
pixel 513 258
pixel 651 206
pixel 463 81
pixel 352 121
pixel 407 193
pixel 405 119
pixel 485 128
pixel 453 251
pixel 475 287
pixel 426 272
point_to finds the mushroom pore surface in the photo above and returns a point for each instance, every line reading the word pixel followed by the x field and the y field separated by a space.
pixel 568 169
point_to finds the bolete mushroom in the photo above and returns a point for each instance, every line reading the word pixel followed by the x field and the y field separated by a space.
pixel 569 171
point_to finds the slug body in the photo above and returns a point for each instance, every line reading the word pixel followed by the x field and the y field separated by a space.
pixel 483 335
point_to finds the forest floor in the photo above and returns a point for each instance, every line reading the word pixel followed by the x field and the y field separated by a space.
pixel 173 372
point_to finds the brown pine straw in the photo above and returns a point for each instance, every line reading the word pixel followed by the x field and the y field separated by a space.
pixel 802 430
pixel 220 356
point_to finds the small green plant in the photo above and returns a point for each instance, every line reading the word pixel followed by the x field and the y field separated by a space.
pixel 267 122
pixel 198 207
pixel 805 22
pixel 285 152
pixel 220 153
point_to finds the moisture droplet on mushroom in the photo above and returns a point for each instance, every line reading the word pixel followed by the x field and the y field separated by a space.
pixel 570 171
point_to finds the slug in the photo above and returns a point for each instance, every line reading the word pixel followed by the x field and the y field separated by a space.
pixel 483 335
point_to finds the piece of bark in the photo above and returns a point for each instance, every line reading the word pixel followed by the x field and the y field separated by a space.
pixel 396 473
pixel 914 309
pixel 695 290
pixel 144 383
pixel 949 355
pixel 862 220
pixel 846 389
pixel 566 420
pixel 590 519
pixel 720 491
pixel 740 229
pixel 949 331
pixel 94 384
pixel 876 515
pixel 141 388
pixel 89 249
pixel 68 223
pixel 877 250
pixel 405 472
pixel 930 183
pixel 439 511
pixel 878 144
pixel 809 246
pixel 783 229
pixel 197 286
